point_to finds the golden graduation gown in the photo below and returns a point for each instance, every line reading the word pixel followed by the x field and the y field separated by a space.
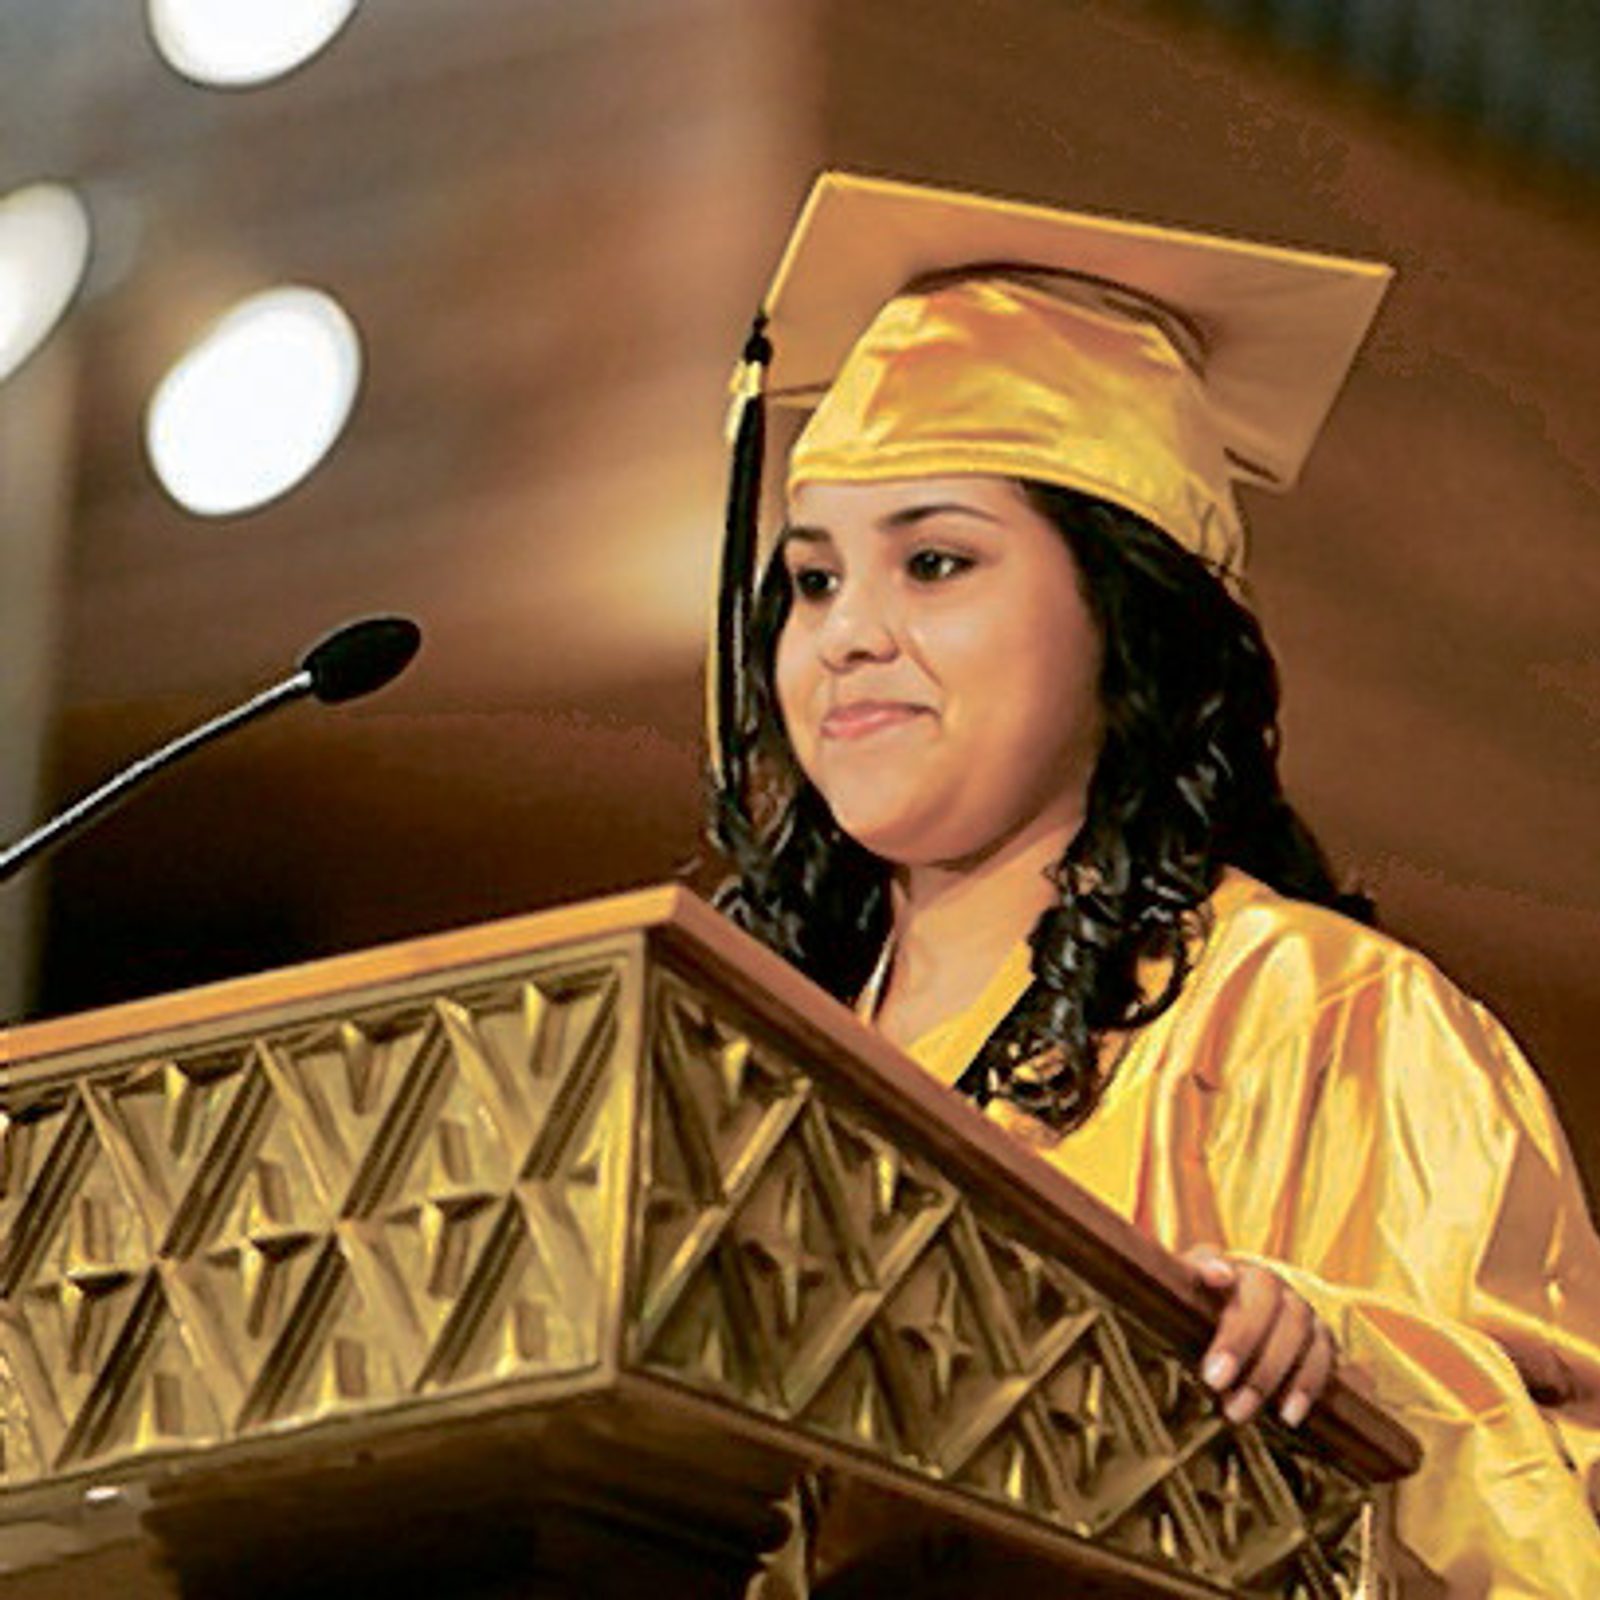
pixel 1322 1099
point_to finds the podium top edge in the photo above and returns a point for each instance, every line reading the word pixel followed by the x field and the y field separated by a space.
pixel 636 910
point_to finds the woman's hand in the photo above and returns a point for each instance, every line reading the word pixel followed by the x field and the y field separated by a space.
pixel 1269 1347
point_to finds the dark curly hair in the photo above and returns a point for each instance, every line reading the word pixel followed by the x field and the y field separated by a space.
pixel 1186 784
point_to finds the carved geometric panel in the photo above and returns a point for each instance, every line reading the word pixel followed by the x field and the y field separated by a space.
pixel 790 1257
pixel 313 1221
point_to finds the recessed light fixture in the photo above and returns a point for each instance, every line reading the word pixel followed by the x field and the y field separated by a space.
pixel 256 403
pixel 236 44
pixel 44 250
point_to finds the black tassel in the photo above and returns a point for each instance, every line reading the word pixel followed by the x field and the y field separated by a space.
pixel 737 578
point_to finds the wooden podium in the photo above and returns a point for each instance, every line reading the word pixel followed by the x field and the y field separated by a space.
pixel 556 1257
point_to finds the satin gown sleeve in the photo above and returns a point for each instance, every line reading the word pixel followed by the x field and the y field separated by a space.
pixel 1324 1101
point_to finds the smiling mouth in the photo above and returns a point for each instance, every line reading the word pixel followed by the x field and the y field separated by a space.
pixel 867 717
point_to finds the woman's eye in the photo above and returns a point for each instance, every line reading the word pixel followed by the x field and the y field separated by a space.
pixel 813 583
pixel 934 566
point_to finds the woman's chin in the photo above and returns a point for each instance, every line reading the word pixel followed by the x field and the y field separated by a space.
pixel 906 841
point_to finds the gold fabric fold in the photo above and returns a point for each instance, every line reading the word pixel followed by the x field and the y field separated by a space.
pixel 1073 386
pixel 1322 1099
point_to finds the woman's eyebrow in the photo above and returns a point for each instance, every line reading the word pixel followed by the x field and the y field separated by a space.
pixel 890 522
pixel 910 516
pixel 800 533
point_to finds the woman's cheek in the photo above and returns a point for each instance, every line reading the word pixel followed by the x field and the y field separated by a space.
pixel 790 682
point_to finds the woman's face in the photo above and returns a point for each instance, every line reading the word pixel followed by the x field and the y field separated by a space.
pixel 938 672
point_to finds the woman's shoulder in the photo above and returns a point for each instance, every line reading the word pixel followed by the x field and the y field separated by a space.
pixel 1275 973
pixel 1294 1006
pixel 1250 926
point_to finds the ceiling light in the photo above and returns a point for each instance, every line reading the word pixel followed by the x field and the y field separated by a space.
pixel 253 406
pixel 233 44
pixel 44 248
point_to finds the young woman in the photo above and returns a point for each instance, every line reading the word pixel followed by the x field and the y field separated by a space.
pixel 998 765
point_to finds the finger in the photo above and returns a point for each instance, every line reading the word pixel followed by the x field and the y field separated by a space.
pixel 1279 1355
pixel 1211 1268
pixel 1306 1384
pixel 1242 1327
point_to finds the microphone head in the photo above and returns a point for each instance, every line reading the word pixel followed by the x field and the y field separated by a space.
pixel 360 657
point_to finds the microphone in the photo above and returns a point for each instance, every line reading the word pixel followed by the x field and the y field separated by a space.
pixel 351 661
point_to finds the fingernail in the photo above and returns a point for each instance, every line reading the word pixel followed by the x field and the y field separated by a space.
pixel 1219 1369
pixel 1242 1405
pixel 1294 1409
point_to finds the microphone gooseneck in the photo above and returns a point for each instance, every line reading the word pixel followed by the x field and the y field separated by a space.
pixel 352 661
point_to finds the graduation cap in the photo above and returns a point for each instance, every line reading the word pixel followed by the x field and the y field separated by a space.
pixel 934 332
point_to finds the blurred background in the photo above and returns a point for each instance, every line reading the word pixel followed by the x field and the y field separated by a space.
pixel 528 235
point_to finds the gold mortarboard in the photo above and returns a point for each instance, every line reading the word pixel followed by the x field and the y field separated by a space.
pixel 937 332
pixel 1042 342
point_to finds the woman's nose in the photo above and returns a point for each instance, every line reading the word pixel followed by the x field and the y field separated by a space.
pixel 857 628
